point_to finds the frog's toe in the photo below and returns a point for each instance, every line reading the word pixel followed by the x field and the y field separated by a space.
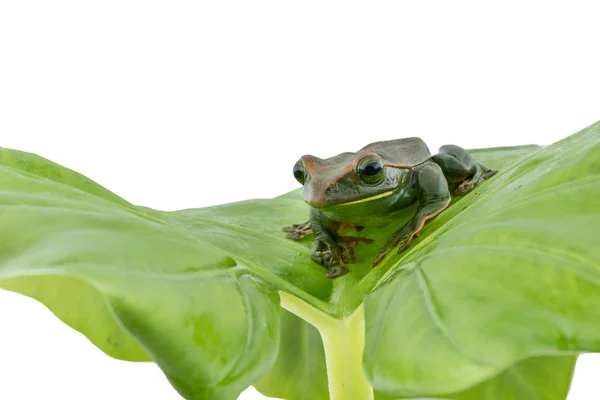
pixel 402 241
pixel 337 270
pixel 378 259
pixel 335 261
pixel 348 255
pixel 298 231
pixel 346 227
pixel 353 241
pixel 463 189
pixel 325 254
pixel 347 245
pixel 381 255
pixel 489 173
pixel 323 258
pixel 466 186
pixel 295 236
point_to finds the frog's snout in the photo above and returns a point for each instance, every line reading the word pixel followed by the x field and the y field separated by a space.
pixel 318 202
pixel 317 195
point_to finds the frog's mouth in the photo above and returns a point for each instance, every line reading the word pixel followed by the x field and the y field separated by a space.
pixel 322 202
pixel 379 196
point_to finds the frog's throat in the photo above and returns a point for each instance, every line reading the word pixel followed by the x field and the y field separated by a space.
pixel 379 196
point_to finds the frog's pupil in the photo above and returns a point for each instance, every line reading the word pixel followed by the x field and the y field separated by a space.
pixel 299 173
pixel 372 169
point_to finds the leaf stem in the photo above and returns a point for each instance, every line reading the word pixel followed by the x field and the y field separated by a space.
pixel 343 342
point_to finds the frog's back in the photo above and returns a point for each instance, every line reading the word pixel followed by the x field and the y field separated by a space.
pixel 400 153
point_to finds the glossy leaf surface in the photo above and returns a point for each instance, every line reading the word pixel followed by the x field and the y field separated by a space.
pixel 299 372
pixel 506 273
pixel 133 280
pixel 512 272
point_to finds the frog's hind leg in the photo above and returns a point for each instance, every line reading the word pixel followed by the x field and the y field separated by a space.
pixel 461 170
pixel 433 196
pixel 298 231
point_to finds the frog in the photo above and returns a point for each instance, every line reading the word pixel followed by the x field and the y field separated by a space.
pixel 373 186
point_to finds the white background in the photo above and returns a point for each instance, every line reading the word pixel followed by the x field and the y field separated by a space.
pixel 179 104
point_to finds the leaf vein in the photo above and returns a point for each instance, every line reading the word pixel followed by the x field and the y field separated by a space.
pixel 435 318
pixel 547 252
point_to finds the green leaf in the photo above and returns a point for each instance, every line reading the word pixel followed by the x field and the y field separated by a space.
pixel 133 280
pixel 299 372
pixel 512 272
pixel 498 292
pixel 536 378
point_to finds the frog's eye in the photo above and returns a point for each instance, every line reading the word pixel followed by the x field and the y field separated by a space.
pixel 370 169
pixel 300 172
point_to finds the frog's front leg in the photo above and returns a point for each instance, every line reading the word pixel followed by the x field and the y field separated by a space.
pixel 329 249
pixel 298 231
pixel 431 190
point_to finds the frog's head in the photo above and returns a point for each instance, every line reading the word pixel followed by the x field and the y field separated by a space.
pixel 373 172
pixel 345 179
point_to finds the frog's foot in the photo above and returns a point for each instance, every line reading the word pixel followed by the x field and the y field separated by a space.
pixel 347 245
pixel 298 231
pixel 325 253
pixel 401 239
pixel 337 270
pixel 469 184
pixel 336 255
pixel 330 256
